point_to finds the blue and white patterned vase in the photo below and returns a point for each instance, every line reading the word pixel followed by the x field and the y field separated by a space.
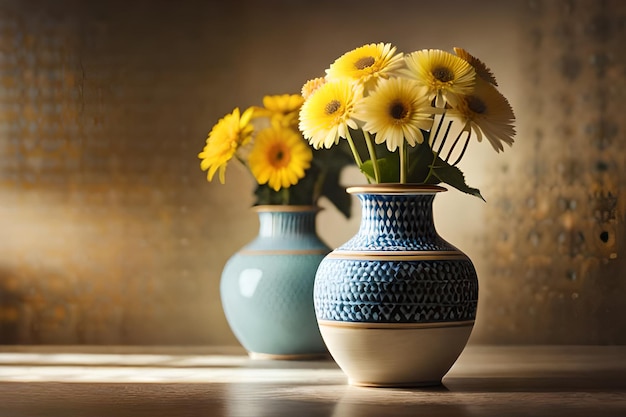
pixel 396 303
pixel 267 286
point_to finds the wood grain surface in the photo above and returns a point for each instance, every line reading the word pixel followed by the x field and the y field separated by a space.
pixel 123 381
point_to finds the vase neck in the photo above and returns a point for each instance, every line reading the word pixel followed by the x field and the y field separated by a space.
pixel 287 223
pixel 408 215
pixel 396 221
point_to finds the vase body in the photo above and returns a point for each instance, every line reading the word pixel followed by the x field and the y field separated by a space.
pixel 396 303
pixel 266 287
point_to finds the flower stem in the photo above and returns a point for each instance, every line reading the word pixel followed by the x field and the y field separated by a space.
pixel 467 140
pixel 372 151
pixel 355 152
pixel 402 152
pixel 434 138
pixel 431 168
pixel 445 137
pixel 458 137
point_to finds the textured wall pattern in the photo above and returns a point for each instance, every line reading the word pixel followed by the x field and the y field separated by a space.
pixel 556 253
pixel 109 232
pixel 103 232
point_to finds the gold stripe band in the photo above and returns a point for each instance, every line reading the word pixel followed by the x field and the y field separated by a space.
pixel 399 255
pixel 283 208
pixel 359 325
pixel 283 252
pixel 385 189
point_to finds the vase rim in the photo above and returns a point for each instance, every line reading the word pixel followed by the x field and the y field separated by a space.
pixel 285 208
pixel 395 188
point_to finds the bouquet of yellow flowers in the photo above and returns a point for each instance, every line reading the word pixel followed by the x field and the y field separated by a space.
pixel 266 140
pixel 380 101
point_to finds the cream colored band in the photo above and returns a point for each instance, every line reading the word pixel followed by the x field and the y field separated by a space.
pixel 358 325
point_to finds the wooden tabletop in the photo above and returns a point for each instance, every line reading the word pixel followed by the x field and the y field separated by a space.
pixel 487 381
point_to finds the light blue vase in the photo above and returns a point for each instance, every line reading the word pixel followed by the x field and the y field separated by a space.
pixel 267 286
pixel 396 303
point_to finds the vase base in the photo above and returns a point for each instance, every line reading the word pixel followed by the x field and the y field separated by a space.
pixel 288 357
pixel 416 384
pixel 395 355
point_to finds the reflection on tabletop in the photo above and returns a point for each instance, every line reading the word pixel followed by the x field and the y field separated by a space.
pixel 486 381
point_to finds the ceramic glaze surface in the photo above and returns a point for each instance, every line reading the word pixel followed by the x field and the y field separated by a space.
pixel 267 286
pixel 396 304
pixel 397 269
pixel 396 291
pixel 396 223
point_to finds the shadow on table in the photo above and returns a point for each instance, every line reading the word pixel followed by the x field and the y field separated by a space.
pixel 588 381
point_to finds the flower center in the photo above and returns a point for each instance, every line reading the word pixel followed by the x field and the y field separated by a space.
pixel 443 74
pixel 364 62
pixel 476 105
pixel 332 107
pixel 398 111
pixel 279 156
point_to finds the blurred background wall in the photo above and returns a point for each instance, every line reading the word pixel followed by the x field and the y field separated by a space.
pixel 110 233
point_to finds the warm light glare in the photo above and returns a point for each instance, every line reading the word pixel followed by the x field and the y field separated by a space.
pixel 149 368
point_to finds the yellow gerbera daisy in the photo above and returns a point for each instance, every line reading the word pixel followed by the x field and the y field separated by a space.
pixel 327 114
pixel 227 136
pixel 281 110
pixel 310 86
pixel 481 69
pixel 283 103
pixel 396 111
pixel 279 157
pixel 487 113
pixel 445 75
pixel 366 64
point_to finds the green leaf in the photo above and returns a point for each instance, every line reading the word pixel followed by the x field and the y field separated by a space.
pixel 421 157
pixel 389 168
pixel 266 195
pixel 454 177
